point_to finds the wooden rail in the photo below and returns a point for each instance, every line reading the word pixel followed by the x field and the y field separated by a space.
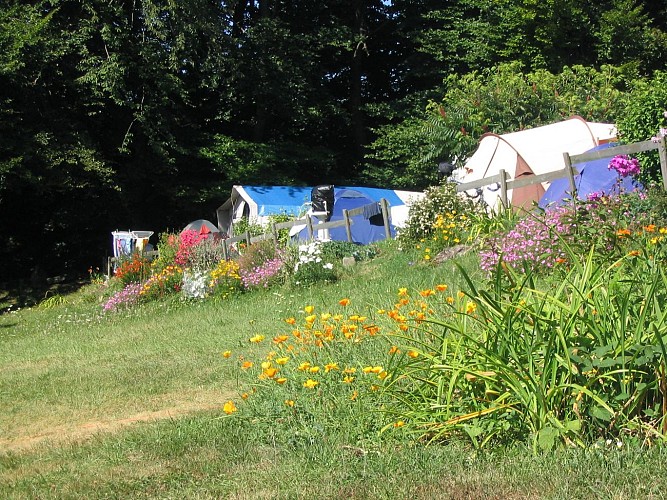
pixel 505 182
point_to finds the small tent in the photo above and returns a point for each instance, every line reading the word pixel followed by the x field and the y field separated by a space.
pixel 594 177
pixel 259 203
pixel 202 227
pixel 366 227
pixel 531 152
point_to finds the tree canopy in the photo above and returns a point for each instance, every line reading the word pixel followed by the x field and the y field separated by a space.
pixel 142 114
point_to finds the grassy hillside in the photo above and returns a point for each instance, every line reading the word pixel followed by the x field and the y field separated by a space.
pixel 130 405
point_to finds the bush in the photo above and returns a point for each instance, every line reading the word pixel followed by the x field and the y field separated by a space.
pixel 134 269
pixel 261 265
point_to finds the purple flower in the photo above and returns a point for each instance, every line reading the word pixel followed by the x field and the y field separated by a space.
pixel 624 165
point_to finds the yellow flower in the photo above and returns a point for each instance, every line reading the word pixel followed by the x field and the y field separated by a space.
pixel 256 339
pixel 367 369
pixel 304 366
pixel 311 318
pixel 226 354
pixel 229 407
pixel 325 317
pixel 470 307
pixel 348 379
pixel 310 383
pixel 633 253
pixel 383 375
pixel 402 292
pixel 376 369
pixel 350 370
pixel 314 369
pixel 413 354
pixel 461 295
pixel 282 361
pixel 281 380
pixel 399 423
pixel 427 257
pixel 450 300
pixel 289 402
pixel 344 302
pixel 270 372
pixel 330 366
pixel 309 309
pixel 354 395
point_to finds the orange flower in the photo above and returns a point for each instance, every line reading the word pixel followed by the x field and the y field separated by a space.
pixel 413 354
pixel 399 423
pixel 280 339
pixel 623 232
pixel 427 293
pixel 633 253
pixel 246 365
pixel 226 354
pixel 350 370
pixel 344 302
pixel 353 396
pixel 281 380
pixel 229 407
pixel 270 372
pixel 394 350
pixel 441 288
pixel 244 395
pixel 290 321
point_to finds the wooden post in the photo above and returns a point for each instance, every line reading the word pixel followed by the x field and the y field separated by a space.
pixel 662 151
pixel 348 229
pixel 503 189
pixel 225 251
pixel 309 225
pixel 384 206
pixel 570 175
pixel 274 232
pixel 248 239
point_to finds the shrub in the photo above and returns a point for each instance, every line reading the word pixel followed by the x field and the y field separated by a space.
pixel 261 265
pixel 443 217
pixel 310 266
pixel 224 279
pixel 133 270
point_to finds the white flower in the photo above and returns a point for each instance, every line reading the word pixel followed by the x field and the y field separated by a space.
pixel 328 265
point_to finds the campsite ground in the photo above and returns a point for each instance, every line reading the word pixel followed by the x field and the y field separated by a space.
pixel 129 405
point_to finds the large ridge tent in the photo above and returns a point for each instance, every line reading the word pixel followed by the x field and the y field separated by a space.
pixel 594 177
pixel 531 152
pixel 258 203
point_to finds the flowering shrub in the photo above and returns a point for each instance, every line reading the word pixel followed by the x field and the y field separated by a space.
pixel 261 264
pixel 423 216
pixel 624 165
pixel 187 241
pixel 533 244
pixel 195 284
pixel 128 296
pixel 133 270
pixel 166 282
pixel 224 279
pixel 310 266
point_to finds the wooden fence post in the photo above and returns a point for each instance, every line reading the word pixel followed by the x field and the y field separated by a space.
pixel 348 229
pixel 662 151
pixel 503 189
pixel 225 252
pixel 570 175
pixel 384 206
pixel 309 225
pixel 274 231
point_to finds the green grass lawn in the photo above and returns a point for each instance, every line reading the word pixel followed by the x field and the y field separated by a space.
pixel 129 405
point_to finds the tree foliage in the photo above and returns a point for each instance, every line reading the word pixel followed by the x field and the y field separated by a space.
pixel 143 113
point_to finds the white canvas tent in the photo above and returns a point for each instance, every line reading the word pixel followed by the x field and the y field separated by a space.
pixel 531 152
pixel 258 203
